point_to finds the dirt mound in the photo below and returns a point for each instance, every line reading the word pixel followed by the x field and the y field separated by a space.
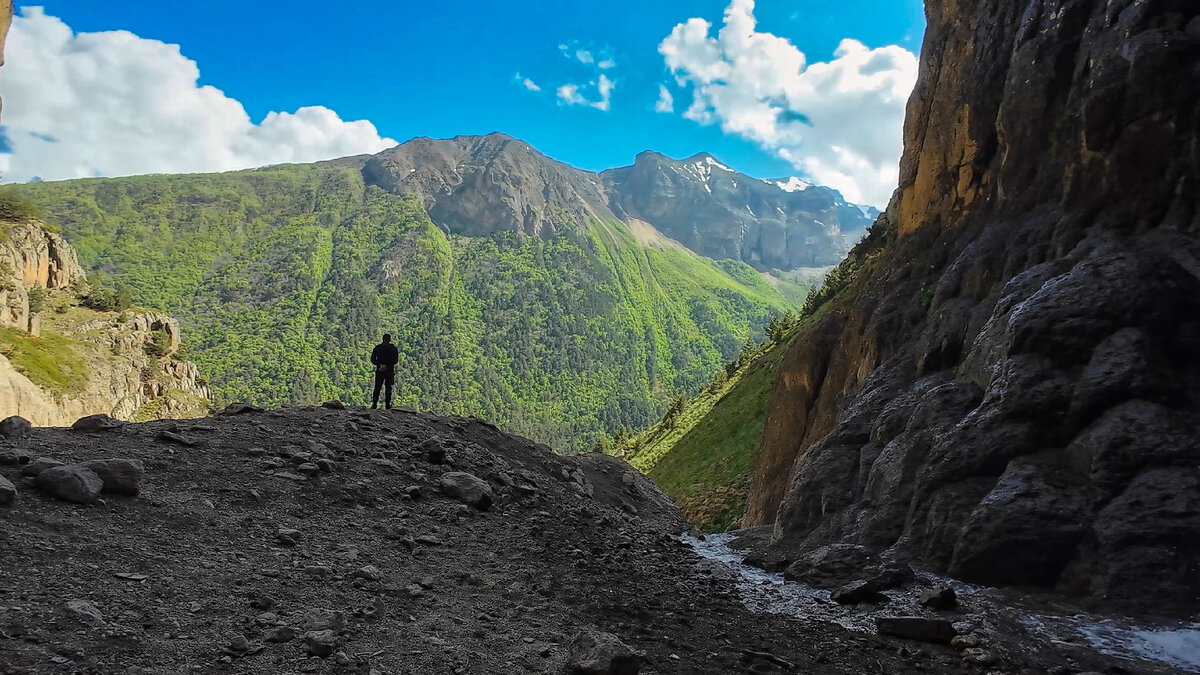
pixel 320 540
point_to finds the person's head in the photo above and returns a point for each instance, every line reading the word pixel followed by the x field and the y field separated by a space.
pixel 387 337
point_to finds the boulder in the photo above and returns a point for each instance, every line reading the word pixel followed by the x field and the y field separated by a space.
pixel 71 483
pixel 334 405
pixel 467 488
pixel 239 409
pixel 39 465
pixel 830 566
pixel 940 599
pixel 15 427
pixel 168 436
pixel 14 457
pixel 93 423
pixel 8 492
pixel 120 476
pixel 85 611
pixel 938 631
pixel 594 652
pixel 857 592
pixel 320 643
pixel 434 451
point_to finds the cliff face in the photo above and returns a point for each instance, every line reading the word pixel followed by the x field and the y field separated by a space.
pixel 60 361
pixel 1008 386
pixel 30 258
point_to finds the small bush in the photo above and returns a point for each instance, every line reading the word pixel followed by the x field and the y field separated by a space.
pixel 158 345
pixel 103 299
pixel 37 299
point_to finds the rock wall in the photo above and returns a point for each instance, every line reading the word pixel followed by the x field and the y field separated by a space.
pixel 32 257
pixel 1008 388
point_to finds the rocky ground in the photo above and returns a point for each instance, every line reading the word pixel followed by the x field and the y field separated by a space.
pixel 333 540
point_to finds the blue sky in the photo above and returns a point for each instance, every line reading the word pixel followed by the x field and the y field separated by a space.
pixel 442 69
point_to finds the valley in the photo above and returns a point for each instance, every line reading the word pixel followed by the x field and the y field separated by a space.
pixel 551 316
pixel 667 418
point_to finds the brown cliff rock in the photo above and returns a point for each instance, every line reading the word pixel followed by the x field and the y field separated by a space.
pixel 60 361
pixel 1008 385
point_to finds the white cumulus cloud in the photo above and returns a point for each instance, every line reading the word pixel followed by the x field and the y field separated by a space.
pixel 665 102
pixel 527 83
pixel 114 104
pixel 571 94
pixel 840 122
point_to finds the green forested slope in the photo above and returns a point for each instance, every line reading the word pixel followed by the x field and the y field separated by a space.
pixel 703 457
pixel 284 278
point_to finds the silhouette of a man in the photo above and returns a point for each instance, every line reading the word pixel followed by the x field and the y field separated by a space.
pixel 384 357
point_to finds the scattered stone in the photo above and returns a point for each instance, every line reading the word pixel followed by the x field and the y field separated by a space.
pixel 467 488
pixel 176 438
pixel 120 476
pixel 281 634
pixel 262 602
pixel 39 465
pixel 14 457
pixel 327 465
pixel 413 491
pixel 978 656
pixel 940 599
pixel 287 537
pixel 857 592
pixel 434 451
pixel 916 628
pixel 374 611
pixel 318 571
pixel 370 573
pixel 593 652
pixel 86 612
pixel 239 644
pixel 341 659
pixel 239 409
pixel 94 423
pixel 964 641
pixel 308 469
pixel 8 491
pixel 15 427
pixel 320 642
pixel 334 405
pixel 325 620
pixel 71 483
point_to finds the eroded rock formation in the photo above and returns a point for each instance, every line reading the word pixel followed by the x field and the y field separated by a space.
pixel 1008 386
pixel 63 361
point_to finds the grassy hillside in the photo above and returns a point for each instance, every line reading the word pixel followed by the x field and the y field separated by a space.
pixel 283 279
pixel 703 455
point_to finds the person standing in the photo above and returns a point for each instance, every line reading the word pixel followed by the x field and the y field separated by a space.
pixel 384 357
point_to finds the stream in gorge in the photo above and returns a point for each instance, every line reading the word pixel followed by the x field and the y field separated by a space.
pixel 1002 621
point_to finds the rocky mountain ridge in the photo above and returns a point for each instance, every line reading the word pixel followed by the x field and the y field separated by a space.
pixel 478 185
pixel 1006 385
pixel 60 360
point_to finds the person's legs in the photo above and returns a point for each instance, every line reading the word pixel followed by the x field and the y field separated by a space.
pixel 379 378
pixel 387 396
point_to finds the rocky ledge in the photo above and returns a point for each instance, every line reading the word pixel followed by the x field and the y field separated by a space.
pixel 346 540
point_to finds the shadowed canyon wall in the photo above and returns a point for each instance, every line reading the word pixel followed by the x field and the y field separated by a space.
pixel 1008 386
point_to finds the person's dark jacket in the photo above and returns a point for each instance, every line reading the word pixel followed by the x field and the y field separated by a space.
pixel 385 354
